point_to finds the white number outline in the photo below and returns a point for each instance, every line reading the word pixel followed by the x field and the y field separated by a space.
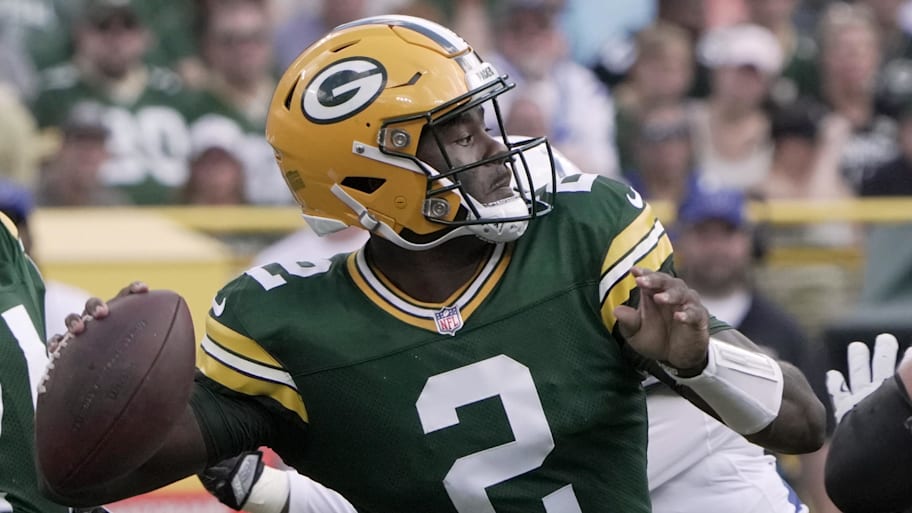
pixel 270 280
pixel 469 477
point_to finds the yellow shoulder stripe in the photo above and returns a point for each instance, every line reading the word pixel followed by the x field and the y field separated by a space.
pixel 628 238
pixel 9 224
pixel 237 343
pixel 244 383
pixel 618 292
pixel 241 364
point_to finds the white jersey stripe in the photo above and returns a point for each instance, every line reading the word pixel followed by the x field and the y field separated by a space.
pixel 246 366
pixel 620 269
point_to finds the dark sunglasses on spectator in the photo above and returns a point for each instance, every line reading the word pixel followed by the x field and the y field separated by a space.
pixel 231 38
pixel 664 132
pixel 124 21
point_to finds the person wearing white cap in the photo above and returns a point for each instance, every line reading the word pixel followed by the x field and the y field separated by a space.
pixel 731 138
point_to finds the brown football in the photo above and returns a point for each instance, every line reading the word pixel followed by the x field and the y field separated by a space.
pixel 112 393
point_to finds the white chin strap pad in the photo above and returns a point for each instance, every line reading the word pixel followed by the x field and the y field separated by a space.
pixel 503 209
pixel 743 387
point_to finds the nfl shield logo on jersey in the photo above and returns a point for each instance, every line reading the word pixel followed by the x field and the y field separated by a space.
pixel 448 320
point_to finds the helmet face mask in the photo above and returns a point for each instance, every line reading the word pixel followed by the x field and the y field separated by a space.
pixel 350 115
pixel 508 216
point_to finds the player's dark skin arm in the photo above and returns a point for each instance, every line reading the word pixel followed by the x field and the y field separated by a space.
pixel 800 426
pixel 671 325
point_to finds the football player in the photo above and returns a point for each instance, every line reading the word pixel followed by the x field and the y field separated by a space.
pixel 695 464
pixel 23 358
pixel 484 350
pixel 870 459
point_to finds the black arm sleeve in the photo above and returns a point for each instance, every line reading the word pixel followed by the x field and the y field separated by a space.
pixel 232 423
pixel 869 466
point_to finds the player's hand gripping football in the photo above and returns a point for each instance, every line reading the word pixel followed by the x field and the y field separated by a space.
pixel 95 308
pixel 670 324
pixel 866 374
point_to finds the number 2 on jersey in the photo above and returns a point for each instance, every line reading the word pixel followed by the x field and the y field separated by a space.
pixel 470 475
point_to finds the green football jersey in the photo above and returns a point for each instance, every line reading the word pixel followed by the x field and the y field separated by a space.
pixel 514 395
pixel 148 141
pixel 23 358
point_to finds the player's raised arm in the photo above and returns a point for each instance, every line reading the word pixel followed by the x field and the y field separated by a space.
pixel 768 401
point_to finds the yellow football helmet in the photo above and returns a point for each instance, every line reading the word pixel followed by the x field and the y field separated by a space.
pixel 346 119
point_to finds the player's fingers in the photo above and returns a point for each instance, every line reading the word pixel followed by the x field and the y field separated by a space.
pixel 628 320
pixel 859 360
pixel 75 323
pixel 137 287
pixel 836 385
pixel 693 315
pixel 96 307
pixel 54 342
pixel 883 363
pixel 653 280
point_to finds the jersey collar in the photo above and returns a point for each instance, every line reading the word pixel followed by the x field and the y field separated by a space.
pixel 380 291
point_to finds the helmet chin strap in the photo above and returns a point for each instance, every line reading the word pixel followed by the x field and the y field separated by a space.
pixel 514 206
pixel 371 224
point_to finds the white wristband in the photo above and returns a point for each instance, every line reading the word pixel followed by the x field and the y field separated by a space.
pixel 269 493
pixel 743 387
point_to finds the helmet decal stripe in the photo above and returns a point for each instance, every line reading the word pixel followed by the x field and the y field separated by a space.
pixel 447 39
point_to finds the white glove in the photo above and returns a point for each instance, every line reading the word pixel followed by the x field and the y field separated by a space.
pixel 865 374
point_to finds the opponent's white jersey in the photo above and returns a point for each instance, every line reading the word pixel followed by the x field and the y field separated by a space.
pixel 698 465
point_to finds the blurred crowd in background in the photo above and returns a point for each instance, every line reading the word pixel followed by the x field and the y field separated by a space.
pixel 163 101
pixel 704 104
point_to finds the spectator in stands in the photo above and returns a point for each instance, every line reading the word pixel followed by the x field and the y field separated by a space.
pixel 71 176
pixel 235 40
pixel 618 54
pixel 216 177
pixel 850 58
pixel 143 105
pixel 731 127
pixel 662 155
pixel 715 248
pixel 20 145
pixel 799 74
pixel 661 74
pixel 894 81
pixel 33 34
pixel 554 92
pixel 807 146
pixel 307 25
pixel 895 177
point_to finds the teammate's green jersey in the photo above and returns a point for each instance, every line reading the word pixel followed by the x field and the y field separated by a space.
pixel 22 362
pixel 513 396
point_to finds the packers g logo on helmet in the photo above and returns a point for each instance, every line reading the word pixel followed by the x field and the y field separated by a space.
pixel 343 89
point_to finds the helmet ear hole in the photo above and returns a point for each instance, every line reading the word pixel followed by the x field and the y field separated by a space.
pixel 365 184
